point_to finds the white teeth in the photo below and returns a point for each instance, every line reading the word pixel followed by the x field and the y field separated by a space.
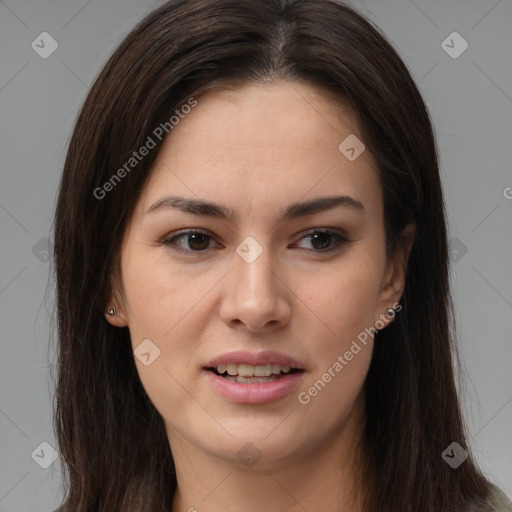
pixel 244 370
pixel 263 371
pixel 247 370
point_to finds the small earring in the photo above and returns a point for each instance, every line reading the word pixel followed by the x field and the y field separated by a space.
pixel 390 312
pixel 112 312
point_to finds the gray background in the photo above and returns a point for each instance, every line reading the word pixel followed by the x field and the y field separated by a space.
pixel 470 100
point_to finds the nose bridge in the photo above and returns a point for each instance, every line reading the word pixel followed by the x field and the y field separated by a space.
pixel 253 264
pixel 255 296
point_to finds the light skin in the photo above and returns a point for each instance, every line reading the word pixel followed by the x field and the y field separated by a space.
pixel 257 149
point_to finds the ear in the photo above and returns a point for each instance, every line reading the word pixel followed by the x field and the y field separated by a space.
pixel 393 283
pixel 119 318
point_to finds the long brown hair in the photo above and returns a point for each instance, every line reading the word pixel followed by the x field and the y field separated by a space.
pixel 115 453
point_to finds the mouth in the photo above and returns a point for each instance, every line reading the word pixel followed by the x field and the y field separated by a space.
pixel 253 378
pixel 249 374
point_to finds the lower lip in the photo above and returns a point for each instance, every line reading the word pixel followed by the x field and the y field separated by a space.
pixel 257 393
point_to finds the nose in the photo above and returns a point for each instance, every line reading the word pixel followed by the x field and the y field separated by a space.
pixel 256 296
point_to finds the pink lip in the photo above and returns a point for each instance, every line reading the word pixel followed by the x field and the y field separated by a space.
pixel 259 359
pixel 257 393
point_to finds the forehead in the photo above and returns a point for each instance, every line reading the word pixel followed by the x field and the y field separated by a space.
pixel 278 112
pixel 240 142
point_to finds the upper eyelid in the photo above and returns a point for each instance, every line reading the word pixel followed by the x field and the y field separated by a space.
pixel 337 231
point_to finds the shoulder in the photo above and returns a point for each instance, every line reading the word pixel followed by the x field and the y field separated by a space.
pixel 500 501
pixel 496 502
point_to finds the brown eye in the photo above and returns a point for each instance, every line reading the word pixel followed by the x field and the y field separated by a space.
pixel 198 241
pixel 195 241
pixel 325 240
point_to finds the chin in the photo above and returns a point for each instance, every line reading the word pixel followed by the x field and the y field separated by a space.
pixel 261 447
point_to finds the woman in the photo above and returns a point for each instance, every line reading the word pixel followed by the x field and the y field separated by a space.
pixel 252 269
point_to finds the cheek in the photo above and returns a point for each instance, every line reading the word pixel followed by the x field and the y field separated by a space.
pixel 345 298
pixel 341 355
pixel 164 306
pixel 158 294
pixel 161 308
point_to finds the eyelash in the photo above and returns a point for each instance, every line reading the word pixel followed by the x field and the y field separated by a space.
pixel 171 242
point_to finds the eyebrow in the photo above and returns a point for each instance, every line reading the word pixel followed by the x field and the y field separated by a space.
pixel 292 211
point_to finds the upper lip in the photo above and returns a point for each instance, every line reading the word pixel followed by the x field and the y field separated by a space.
pixel 255 359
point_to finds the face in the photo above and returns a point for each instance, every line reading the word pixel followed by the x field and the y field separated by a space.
pixel 269 279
